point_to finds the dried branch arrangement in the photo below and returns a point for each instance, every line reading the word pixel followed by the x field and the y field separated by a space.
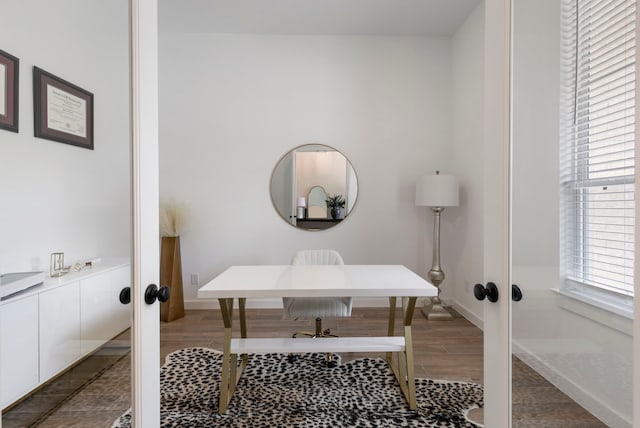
pixel 172 217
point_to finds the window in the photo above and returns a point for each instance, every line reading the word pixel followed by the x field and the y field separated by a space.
pixel 597 152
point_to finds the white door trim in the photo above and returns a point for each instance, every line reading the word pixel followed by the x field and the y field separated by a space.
pixel 497 349
pixel 144 158
pixel 636 272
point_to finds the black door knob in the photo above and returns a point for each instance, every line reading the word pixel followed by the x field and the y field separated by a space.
pixel 153 292
pixel 125 295
pixel 516 293
pixel 490 292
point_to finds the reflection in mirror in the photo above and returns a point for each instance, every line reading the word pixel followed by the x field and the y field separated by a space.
pixel 304 178
pixel 317 203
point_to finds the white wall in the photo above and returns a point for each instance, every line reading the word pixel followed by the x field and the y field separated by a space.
pixel 464 237
pixel 585 351
pixel 57 197
pixel 232 105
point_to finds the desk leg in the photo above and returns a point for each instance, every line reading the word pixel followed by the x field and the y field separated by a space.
pixel 243 319
pixel 230 372
pixel 408 306
pixel 403 370
pixel 243 333
pixel 392 320
pixel 226 308
pixel 398 367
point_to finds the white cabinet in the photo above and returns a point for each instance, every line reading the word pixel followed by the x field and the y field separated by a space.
pixel 120 314
pixel 59 328
pixel 49 328
pixel 19 350
pixel 102 316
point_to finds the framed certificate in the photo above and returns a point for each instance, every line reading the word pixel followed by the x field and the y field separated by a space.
pixel 63 112
pixel 9 72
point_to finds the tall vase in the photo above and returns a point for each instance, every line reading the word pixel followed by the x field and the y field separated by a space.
pixel 171 276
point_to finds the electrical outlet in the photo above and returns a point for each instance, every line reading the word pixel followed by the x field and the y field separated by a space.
pixel 195 279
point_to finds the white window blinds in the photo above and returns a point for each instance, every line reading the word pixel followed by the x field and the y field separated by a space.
pixel 598 143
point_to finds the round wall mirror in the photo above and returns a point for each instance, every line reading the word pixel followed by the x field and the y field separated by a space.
pixel 314 187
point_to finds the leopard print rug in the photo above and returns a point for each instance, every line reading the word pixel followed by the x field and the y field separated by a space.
pixel 276 393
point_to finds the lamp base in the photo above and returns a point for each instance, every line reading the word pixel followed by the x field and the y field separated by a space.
pixel 435 311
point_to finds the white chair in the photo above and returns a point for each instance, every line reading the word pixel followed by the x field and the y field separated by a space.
pixel 317 307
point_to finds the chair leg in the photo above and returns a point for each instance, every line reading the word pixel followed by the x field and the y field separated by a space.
pixel 318 333
pixel 318 327
pixel 331 363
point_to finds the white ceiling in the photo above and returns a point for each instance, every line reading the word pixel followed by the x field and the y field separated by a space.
pixel 337 17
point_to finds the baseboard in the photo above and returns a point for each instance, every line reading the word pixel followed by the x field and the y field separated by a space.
pixel 578 394
pixel 358 302
pixel 468 314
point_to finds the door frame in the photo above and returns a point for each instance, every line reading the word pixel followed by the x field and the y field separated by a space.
pixel 636 262
pixel 145 332
pixel 496 162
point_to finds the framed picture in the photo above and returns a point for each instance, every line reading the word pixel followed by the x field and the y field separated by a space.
pixel 9 72
pixel 63 112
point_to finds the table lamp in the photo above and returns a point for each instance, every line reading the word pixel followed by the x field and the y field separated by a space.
pixel 437 192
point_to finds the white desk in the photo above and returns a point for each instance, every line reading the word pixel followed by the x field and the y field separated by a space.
pixel 242 282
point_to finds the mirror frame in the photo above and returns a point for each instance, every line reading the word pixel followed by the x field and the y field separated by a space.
pixel 312 224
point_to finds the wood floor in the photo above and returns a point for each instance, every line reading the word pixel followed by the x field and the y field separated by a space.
pixel 442 350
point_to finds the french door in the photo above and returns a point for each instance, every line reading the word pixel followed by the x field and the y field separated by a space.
pixel 98 204
pixel 145 185
pixel 580 355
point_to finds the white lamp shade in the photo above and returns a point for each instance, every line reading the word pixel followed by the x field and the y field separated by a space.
pixel 302 201
pixel 439 190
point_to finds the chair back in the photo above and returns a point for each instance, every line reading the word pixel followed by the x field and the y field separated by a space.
pixel 313 307
pixel 317 257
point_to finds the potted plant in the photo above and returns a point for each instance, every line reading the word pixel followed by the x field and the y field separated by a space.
pixel 336 203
